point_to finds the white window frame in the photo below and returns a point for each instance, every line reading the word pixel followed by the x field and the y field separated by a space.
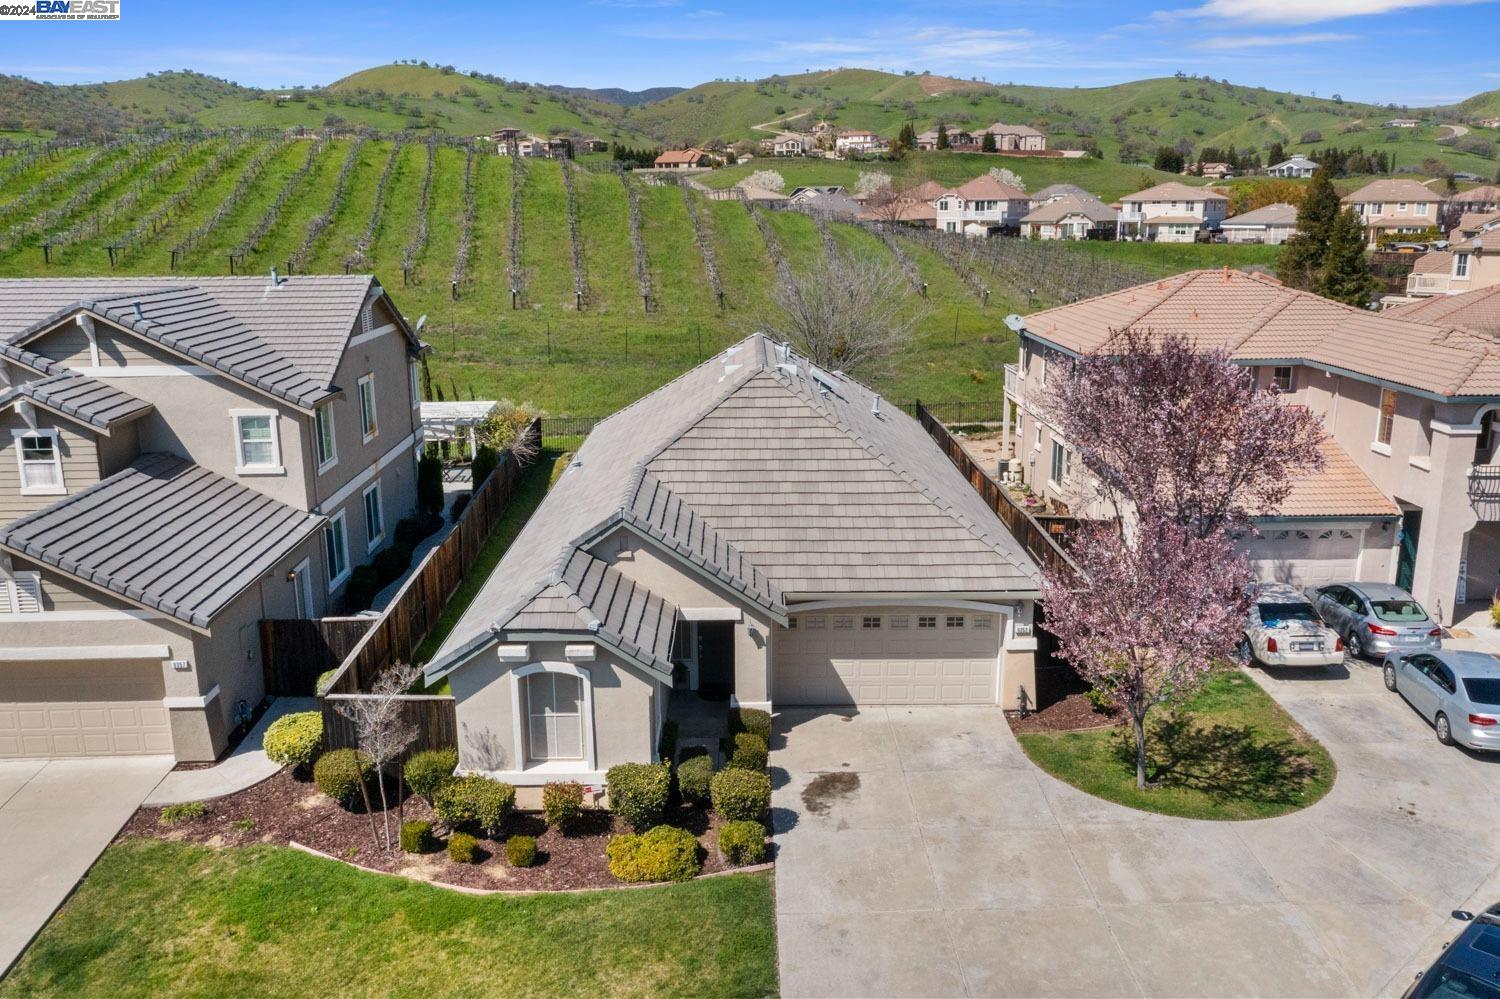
pixel 1461 265
pixel 1059 467
pixel 61 488
pixel 416 385
pixel 372 540
pixel 275 466
pixel 1385 432
pixel 1276 379
pixel 321 414
pixel 1422 208
pixel 338 523
pixel 369 418
pixel 519 706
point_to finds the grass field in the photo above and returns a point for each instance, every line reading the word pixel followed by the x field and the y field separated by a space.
pixel 161 918
pixel 1230 752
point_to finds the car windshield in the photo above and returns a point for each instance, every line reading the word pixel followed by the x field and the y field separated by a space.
pixel 1402 609
pixel 1276 615
pixel 1444 982
pixel 1483 690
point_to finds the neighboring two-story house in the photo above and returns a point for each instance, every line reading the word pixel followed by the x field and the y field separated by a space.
pixel 981 207
pixel 1470 262
pixel 1410 492
pixel 858 141
pixel 1394 206
pixel 1070 216
pixel 182 457
pixel 1170 213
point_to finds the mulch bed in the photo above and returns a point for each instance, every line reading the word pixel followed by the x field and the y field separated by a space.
pixel 1071 714
pixel 284 809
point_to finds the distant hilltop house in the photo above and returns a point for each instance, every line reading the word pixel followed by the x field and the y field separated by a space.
pixel 1403 123
pixel 1008 138
pixel 1488 122
pixel 1394 206
pixel 829 202
pixel 858 141
pixel 1170 213
pixel 1071 216
pixel 1297 167
pixel 1213 171
pixel 1271 225
pixel 981 207
pixel 684 159
pixel 1476 200
pixel 787 145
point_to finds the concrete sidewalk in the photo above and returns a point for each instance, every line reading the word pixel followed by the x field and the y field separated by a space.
pixel 243 768
pixel 56 817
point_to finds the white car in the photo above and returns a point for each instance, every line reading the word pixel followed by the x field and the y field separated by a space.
pixel 1284 630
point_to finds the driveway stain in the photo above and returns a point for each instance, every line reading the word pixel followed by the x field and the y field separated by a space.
pixel 826 790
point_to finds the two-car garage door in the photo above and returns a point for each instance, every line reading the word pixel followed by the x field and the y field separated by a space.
pixel 61 709
pixel 1305 557
pixel 881 656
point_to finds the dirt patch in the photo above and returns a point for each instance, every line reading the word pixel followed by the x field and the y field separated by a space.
pixel 284 809
pixel 826 790
pixel 1071 714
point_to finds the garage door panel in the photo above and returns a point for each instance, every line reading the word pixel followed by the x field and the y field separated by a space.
pixel 63 709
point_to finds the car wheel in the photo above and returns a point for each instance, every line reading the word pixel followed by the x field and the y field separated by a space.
pixel 1244 653
pixel 1444 730
pixel 1355 646
pixel 1390 676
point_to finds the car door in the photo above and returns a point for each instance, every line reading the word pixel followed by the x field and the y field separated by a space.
pixel 1330 607
pixel 1444 686
pixel 1416 685
pixel 1353 607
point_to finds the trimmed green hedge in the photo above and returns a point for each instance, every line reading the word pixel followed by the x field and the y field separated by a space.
pixel 463 848
pixel 473 800
pixel 416 836
pixel 742 842
pixel 562 804
pixel 638 792
pixel 693 775
pixel 751 720
pixel 294 740
pixel 740 794
pixel 749 753
pixel 664 853
pixel 340 773
pixel 521 851
pixel 429 768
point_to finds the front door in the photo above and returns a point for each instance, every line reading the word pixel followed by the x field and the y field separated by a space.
pixel 716 659
pixel 1406 564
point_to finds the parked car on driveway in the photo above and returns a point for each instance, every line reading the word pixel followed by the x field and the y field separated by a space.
pixel 1459 692
pixel 1376 618
pixel 1469 966
pixel 1284 630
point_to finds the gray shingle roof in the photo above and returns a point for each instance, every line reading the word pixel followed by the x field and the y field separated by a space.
pixel 286 339
pixel 746 464
pixel 1280 213
pixel 164 533
pixel 66 391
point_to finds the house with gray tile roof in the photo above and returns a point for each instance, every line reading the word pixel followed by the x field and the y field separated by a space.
pixel 182 457
pixel 758 529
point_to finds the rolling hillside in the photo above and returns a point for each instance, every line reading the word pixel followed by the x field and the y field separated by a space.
pixel 248 203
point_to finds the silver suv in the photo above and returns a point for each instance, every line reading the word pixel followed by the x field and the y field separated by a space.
pixel 1459 692
pixel 1376 618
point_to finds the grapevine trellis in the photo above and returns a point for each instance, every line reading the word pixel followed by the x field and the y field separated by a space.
pixel 154 222
pixel 466 230
pixel 513 269
pixel 296 263
pixel 85 192
pixel 419 239
pixel 773 245
pixel 1045 269
pixel 57 181
pixel 903 259
pixel 93 223
pixel 637 243
pixel 20 158
pixel 705 244
pixel 360 254
pixel 228 206
pixel 825 233
pixel 251 243
pixel 575 237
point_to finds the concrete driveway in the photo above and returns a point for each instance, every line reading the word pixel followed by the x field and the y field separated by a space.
pixel 56 817
pixel 921 853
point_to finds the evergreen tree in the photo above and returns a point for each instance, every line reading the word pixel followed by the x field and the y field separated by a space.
pixel 1345 275
pixel 942 136
pixel 1301 262
pixel 987 144
pixel 1276 154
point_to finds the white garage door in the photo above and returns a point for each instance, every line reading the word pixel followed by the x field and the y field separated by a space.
pixel 1304 558
pixel 60 709
pixel 880 656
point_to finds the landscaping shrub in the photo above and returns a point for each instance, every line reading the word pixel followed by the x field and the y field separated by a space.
pixel 473 800
pixel 666 746
pixel 294 740
pixel 562 804
pixel 460 504
pixel 340 773
pixel 187 811
pixel 485 461
pixel 359 592
pixel 693 775
pixel 521 851
pixel 749 753
pixel 411 531
pixel 638 792
pixel 430 483
pixel 429 768
pixel 664 853
pixel 742 842
pixel 750 720
pixel 391 562
pixel 463 848
pixel 740 794
pixel 416 836
pixel 325 680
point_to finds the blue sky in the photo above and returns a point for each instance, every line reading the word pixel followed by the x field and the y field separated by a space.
pixel 1413 52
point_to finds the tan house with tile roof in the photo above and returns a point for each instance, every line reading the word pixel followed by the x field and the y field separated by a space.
pixel 1411 491
pixel 1394 206
pixel 760 528
pixel 1170 213
pixel 980 207
pixel 1271 225
pixel 1070 216
pixel 1470 262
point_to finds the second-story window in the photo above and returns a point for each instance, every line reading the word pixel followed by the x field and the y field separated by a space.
pixel 256 443
pixel 367 407
pixel 1461 265
pixel 1422 208
pixel 40 461
pixel 1281 377
pixel 1059 462
pixel 1387 416
pixel 374 517
pixel 336 551
pixel 328 454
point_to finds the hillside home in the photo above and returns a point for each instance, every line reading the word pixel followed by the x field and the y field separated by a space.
pixel 1012 138
pixel 1054 191
pixel 858 141
pixel 981 207
pixel 183 457
pixel 758 528
pixel 683 159
pixel 928 140
pixel 1170 213
pixel 1212 171
pixel 789 145
pixel 1394 206
pixel 1411 490
pixel 1482 200
pixel 1269 224
pixel 505 136
pixel 1402 123
pixel 1299 167
pixel 913 206
pixel 1070 217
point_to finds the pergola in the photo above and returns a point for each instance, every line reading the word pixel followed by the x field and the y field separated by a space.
pixel 451 421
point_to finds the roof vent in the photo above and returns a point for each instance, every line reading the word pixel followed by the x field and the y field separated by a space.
pixel 786 350
pixel 275 279
pixel 875 406
pixel 140 316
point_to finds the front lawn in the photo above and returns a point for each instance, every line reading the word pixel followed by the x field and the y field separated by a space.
pixel 156 917
pixel 1231 752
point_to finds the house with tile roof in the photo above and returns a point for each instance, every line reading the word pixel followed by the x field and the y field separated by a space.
pixel 1296 166
pixel 1469 262
pixel 760 529
pixel 684 159
pixel 1269 224
pixel 1013 138
pixel 1172 212
pixel 1400 206
pixel 182 457
pixel 981 207
pixel 1070 216
pixel 1410 491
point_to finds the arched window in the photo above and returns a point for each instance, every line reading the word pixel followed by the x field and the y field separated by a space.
pixel 552 705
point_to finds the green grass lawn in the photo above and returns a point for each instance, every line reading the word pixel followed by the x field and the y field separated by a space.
pixel 1231 752
pixel 162 918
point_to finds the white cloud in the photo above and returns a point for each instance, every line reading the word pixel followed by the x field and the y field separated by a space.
pixel 1301 11
pixel 1272 41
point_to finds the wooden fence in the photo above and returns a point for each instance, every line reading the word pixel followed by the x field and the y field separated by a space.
pixel 296 651
pixel 414 611
pixel 1039 542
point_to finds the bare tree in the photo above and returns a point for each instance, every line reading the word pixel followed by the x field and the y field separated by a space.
pixel 381 732
pixel 847 312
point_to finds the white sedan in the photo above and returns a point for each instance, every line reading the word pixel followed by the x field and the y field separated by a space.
pixel 1284 630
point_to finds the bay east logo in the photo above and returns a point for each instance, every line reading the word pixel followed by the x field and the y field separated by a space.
pixel 61 10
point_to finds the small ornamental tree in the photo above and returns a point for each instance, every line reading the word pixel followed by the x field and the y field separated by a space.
pixel 987 144
pixel 942 136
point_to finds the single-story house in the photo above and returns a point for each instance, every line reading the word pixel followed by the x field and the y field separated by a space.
pixel 1070 217
pixel 758 527
pixel 1297 166
pixel 1270 224
pixel 683 159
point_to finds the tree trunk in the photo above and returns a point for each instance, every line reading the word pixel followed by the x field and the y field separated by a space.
pixel 364 792
pixel 1138 719
pixel 385 808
